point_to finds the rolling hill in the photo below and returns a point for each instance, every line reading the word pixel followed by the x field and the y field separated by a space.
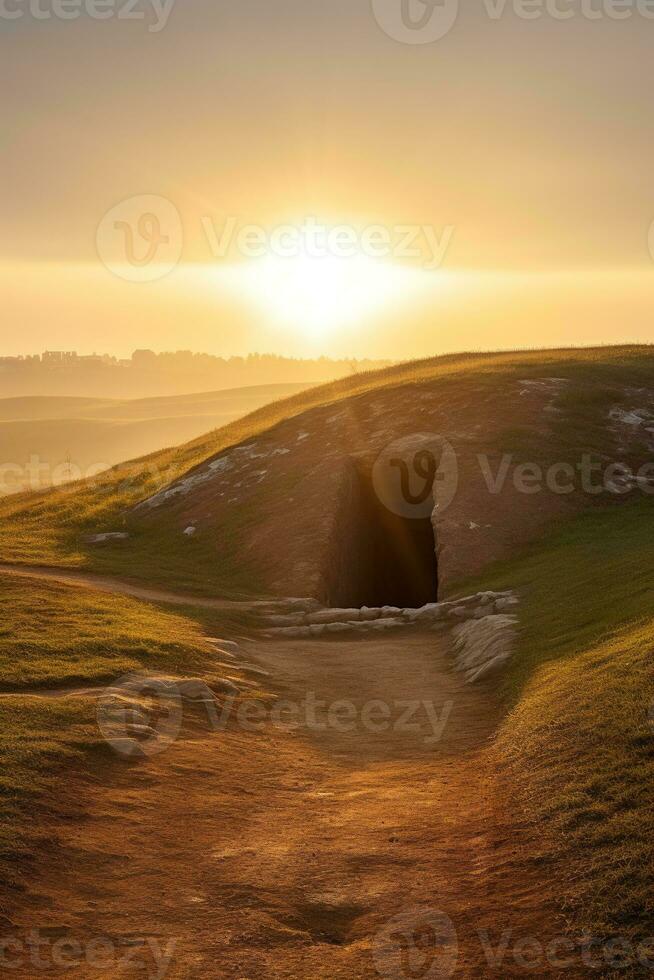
pixel 577 416
pixel 51 440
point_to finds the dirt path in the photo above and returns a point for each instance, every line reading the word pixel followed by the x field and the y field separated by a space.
pixel 116 586
pixel 286 852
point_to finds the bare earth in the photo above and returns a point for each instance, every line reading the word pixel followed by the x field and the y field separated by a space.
pixel 114 586
pixel 285 853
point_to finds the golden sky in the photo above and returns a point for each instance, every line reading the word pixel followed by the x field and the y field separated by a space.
pixel 524 145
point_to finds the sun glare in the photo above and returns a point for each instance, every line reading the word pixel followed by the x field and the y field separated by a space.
pixel 321 295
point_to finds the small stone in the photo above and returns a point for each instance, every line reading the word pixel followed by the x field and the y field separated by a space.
pixel 195 690
pixel 224 644
pixel 291 619
pixel 339 627
pixel 433 610
pixel 224 686
pixel 506 602
pixel 333 616
pixel 384 624
pixel 127 747
pixel 107 536
pixel 140 731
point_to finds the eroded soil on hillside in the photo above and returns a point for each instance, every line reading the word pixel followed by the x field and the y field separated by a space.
pixel 286 852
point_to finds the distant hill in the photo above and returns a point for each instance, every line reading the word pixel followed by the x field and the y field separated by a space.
pixel 46 440
pixel 147 374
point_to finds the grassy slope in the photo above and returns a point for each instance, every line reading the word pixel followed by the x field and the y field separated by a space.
pixel 578 740
pixel 55 636
pixel 49 527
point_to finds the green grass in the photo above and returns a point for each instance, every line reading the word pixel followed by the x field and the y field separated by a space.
pixel 54 636
pixel 50 527
pixel 41 743
pixel 577 739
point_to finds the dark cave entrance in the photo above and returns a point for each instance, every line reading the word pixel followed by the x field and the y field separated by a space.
pixel 388 559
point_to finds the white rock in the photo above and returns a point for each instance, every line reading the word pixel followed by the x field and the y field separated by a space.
pixel 433 610
pixel 384 624
pixel 142 731
pixel 194 689
pixel 333 616
pixel 225 644
pixel 291 619
pixel 340 627
pixel 108 536
pixel 290 631
pixel 478 643
pixel 487 668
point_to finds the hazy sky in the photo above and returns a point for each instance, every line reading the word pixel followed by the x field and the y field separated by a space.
pixel 530 139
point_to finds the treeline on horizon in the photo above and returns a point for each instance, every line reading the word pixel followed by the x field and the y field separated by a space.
pixel 150 374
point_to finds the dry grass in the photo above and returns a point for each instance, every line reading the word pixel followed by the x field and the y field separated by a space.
pixel 578 741
pixel 53 636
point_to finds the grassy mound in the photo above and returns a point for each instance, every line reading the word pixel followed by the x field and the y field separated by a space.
pixel 51 527
pixel 579 739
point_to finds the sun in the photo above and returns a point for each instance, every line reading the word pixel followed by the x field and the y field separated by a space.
pixel 321 295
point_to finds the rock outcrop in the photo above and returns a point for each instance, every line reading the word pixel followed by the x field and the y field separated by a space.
pixel 483 629
pixel 481 646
